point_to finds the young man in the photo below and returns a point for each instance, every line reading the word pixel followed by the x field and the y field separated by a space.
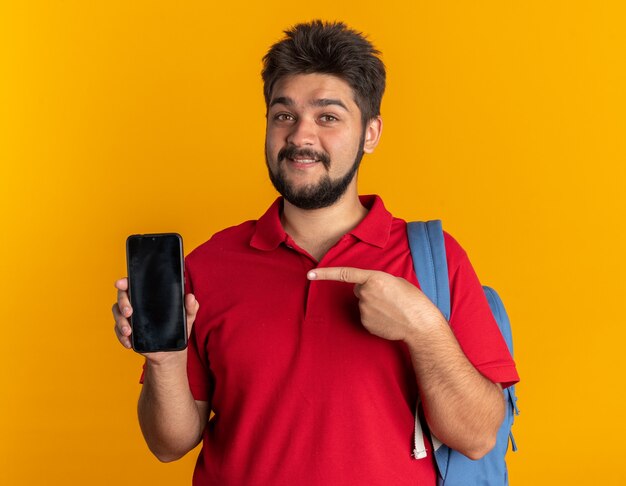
pixel 311 339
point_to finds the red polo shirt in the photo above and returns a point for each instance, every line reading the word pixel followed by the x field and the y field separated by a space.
pixel 302 393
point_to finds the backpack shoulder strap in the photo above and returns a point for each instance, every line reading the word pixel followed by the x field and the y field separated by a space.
pixel 429 259
pixel 428 250
pixel 499 313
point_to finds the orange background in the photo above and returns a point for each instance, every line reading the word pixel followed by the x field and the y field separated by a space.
pixel 505 119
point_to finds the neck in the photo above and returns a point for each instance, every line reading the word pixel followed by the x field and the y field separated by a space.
pixel 317 230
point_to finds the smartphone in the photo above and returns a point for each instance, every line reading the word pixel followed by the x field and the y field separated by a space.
pixel 156 290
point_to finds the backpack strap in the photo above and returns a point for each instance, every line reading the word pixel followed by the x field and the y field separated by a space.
pixel 502 318
pixel 427 246
pixel 426 242
pixel 429 259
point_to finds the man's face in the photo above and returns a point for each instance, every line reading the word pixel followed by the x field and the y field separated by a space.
pixel 315 139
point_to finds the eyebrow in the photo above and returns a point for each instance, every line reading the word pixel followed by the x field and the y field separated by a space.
pixel 285 100
pixel 328 102
pixel 281 100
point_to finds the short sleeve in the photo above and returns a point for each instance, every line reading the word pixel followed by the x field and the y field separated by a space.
pixel 198 372
pixel 473 323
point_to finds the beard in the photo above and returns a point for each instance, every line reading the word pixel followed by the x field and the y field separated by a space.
pixel 313 196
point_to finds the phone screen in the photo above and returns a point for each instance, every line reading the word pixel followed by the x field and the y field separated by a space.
pixel 156 291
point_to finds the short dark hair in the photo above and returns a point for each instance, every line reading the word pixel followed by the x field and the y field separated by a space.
pixel 328 48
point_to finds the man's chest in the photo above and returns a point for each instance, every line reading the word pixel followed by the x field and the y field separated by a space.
pixel 264 318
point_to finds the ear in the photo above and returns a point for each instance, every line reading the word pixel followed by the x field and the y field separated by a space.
pixel 373 130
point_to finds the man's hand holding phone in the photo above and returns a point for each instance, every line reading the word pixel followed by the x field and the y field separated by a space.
pixel 122 311
pixel 152 313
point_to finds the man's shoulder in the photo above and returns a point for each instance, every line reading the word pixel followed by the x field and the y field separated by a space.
pixel 454 250
pixel 233 238
pixel 455 253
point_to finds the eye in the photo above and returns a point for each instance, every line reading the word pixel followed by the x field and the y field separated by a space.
pixel 284 117
pixel 328 118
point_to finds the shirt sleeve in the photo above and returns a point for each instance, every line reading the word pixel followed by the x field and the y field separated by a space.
pixel 473 323
pixel 198 372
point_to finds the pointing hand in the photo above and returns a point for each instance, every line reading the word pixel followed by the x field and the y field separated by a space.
pixel 391 307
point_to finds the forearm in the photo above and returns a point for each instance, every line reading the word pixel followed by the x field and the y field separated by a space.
pixel 463 408
pixel 168 415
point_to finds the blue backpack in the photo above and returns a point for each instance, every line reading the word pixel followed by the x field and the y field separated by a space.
pixel 429 259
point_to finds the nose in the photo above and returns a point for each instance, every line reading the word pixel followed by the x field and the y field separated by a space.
pixel 303 133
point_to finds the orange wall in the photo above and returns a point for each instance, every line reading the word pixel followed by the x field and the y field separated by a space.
pixel 505 119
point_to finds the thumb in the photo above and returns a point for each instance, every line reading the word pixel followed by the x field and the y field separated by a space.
pixel 191 308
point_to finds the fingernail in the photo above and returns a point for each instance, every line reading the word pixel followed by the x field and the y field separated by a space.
pixel 126 311
pixel 125 331
pixel 311 275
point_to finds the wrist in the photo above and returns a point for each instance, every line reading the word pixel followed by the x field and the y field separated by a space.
pixel 166 362
pixel 424 325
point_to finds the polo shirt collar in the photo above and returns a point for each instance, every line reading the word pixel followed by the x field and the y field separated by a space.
pixel 376 226
pixel 374 229
pixel 269 232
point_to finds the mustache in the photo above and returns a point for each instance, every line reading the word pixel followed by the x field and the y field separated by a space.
pixel 291 152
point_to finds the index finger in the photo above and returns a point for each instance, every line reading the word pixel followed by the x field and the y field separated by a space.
pixel 341 274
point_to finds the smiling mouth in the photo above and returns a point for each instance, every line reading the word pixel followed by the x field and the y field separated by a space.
pixel 303 160
pixel 303 157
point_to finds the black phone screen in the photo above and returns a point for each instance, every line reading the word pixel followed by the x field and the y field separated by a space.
pixel 156 291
